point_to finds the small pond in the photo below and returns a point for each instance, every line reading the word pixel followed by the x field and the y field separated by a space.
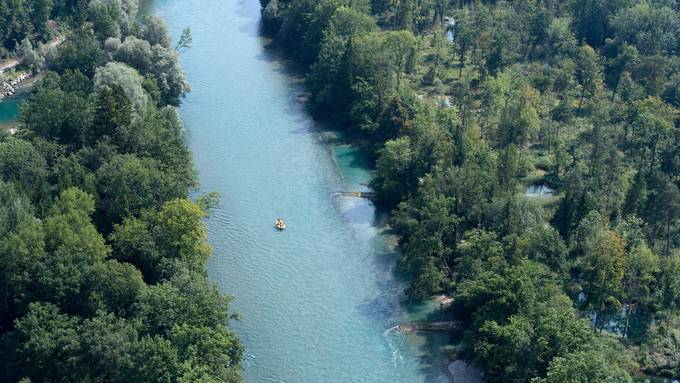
pixel 538 191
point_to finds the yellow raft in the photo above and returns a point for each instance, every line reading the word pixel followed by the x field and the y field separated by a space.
pixel 280 225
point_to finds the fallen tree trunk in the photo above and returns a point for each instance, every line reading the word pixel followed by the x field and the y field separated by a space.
pixel 449 326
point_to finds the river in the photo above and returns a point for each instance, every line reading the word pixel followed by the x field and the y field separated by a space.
pixel 9 110
pixel 318 301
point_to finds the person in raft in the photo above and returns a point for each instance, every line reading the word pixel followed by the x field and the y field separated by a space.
pixel 280 224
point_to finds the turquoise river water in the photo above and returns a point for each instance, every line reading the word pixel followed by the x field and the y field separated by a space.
pixel 9 110
pixel 319 300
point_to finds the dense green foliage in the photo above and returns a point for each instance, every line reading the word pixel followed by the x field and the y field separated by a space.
pixel 21 19
pixel 463 104
pixel 102 255
pixel 30 18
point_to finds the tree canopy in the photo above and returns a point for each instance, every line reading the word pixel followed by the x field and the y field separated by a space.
pixel 102 254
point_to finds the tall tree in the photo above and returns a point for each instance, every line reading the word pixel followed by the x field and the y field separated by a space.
pixel 588 72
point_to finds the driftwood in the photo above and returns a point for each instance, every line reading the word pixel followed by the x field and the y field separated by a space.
pixel 367 195
pixel 450 326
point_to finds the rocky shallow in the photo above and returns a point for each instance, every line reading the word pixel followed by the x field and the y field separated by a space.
pixel 9 88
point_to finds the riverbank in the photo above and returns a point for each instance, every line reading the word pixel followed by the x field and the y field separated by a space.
pixel 10 107
pixel 429 341
pixel 170 307
pixel 18 85
pixel 10 64
pixel 10 88
pixel 351 153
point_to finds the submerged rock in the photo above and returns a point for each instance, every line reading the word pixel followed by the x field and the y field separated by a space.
pixel 9 88
pixel 462 372
pixel 303 97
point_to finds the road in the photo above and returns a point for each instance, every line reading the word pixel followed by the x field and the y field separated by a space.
pixel 11 64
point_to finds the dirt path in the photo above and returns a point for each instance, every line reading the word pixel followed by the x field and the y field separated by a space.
pixel 9 64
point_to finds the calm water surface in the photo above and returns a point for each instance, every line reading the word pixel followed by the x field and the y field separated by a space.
pixel 318 301
pixel 9 110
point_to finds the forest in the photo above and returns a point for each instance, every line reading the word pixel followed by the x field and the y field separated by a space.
pixel 465 107
pixel 102 254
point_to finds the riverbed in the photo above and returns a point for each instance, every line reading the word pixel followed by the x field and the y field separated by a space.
pixel 319 302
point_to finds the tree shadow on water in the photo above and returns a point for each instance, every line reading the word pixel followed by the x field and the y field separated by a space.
pixel 433 351
pixel 430 350
pixel 249 9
